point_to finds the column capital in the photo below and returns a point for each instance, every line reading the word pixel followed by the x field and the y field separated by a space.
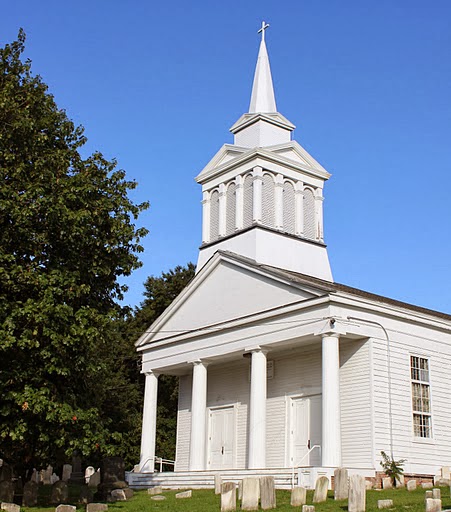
pixel 198 362
pixel 148 373
pixel 257 348
pixel 331 334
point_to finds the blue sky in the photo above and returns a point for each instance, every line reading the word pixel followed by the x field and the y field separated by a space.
pixel 368 85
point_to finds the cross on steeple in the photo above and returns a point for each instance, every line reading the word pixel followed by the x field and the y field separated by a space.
pixel 262 30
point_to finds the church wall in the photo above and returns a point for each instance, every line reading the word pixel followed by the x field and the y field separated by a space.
pixel 183 424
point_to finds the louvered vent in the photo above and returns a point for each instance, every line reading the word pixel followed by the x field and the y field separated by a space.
pixel 248 201
pixel 231 207
pixel 309 214
pixel 214 216
pixel 268 201
pixel 289 212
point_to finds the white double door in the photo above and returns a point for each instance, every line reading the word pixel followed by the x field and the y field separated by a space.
pixel 221 438
pixel 305 431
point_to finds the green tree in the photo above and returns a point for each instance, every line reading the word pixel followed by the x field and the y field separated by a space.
pixel 66 234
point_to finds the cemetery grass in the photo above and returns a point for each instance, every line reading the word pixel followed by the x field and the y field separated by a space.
pixel 204 500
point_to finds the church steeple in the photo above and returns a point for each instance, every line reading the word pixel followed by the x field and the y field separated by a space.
pixel 263 98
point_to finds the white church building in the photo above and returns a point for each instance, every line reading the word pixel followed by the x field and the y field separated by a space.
pixel 282 370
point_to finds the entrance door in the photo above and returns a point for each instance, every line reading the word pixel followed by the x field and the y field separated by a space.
pixel 306 431
pixel 222 438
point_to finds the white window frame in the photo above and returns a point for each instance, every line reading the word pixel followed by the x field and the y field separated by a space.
pixel 422 382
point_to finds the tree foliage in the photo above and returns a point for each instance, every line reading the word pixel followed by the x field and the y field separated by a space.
pixel 67 233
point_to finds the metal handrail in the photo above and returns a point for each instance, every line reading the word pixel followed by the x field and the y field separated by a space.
pixel 157 460
pixel 298 465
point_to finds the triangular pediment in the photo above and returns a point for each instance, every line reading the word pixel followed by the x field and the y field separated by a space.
pixel 226 289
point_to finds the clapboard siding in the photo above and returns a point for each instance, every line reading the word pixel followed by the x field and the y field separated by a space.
pixel 355 404
pixel 423 456
pixel 183 424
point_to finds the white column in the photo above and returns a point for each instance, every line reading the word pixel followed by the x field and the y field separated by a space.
pixel 222 209
pixel 278 201
pixel 239 207
pixel 257 194
pixel 206 217
pixel 257 411
pixel 299 201
pixel 198 416
pixel 149 425
pixel 319 214
pixel 331 431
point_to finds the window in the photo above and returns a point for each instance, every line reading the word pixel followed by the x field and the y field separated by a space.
pixel 421 397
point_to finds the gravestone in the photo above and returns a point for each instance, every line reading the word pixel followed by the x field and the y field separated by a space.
pixel 10 507
pixel 251 493
pixel 446 472
pixel 30 494
pixel 67 472
pixel 218 484
pixel 158 497
pixel 357 494
pixel 36 477
pixel 97 507
pixel 433 505
pixel 6 491
pixel 228 497
pixel 427 485
pixel 128 493
pixel 118 495
pixel 65 508
pixel 298 496
pixel 77 475
pixel 157 489
pixel 184 494
pixel 94 479
pixel 308 508
pixel 89 471
pixel 411 485
pixel 341 484
pixel 54 478
pixel 320 494
pixel 387 483
pixel 59 493
pixel 240 489
pixel 267 493
pixel 86 495
pixel 384 503
pixel 427 495
pixel 436 494
pixel 399 481
pixel 112 469
pixel 6 472
pixel 368 485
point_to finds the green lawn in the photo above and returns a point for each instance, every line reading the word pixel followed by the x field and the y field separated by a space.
pixel 205 500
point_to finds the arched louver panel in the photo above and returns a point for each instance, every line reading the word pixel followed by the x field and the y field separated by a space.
pixel 214 216
pixel 309 214
pixel 268 211
pixel 248 200
pixel 289 208
pixel 230 209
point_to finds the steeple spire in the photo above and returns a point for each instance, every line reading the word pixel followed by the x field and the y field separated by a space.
pixel 262 98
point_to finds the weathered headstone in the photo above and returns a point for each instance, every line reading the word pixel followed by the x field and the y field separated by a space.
pixel 387 483
pixel 357 494
pixel 433 505
pixel 427 485
pixel 411 485
pixel 446 472
pixel 128 493
pixel 77 475
pixel 89 471
pixel 184 494
pixel 6 491
pixel 251 492
pixel 59 493
pixel 442 482
pixel 54 478
pixel 86 495
pixel 36 477
pixel 94 480
pixel 240 489
pixel 267 493
pixel 30 494
pixel 46 475
pixel 112 469
pixel 399 481
pixel 97 507
pixel 298 496
pixel 368 485
pixel 10 507
pixel 157 489
pixel 158 497
pixel 218 484
pixel 67 471
pixel 228 497
pixel 308 508
pixel 320 494
pixel 436 494
pixel 427 495
pixel 384 503
pixel 341 484
pixel 6 472
pixel 65 508
pixel 118 495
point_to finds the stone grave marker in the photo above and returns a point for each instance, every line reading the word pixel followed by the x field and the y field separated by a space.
pixel 54 478
pixel 218 484
pixel 89 471
pixel 157 489
pixel 433 505
pixel 94 479
pixel 118 495
pixel 308 508
pixel 436 494
pixel 387 483
pixel 446 472
pixel 384 503
pixel 128 493
pixel 112 469
pixel 399 481
pixel 158 497
pixel 251 493
pixel 10 507
pixel 228 497
pixel 427 494
pixel 97 507
pixel 67 472
pixel 30 494
pixel 59 493
pixel 77 475
pixel 357 494
pixel 427 485
pixel 184 494
pixel 267 493
pixel 411 485
pixel 240 489
pixel 6 491
pixel 298 496
pixel 320 494
pixel 65 508
pixel 6 472
pixel 368 485
pixel 46 475
pixel 341 484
